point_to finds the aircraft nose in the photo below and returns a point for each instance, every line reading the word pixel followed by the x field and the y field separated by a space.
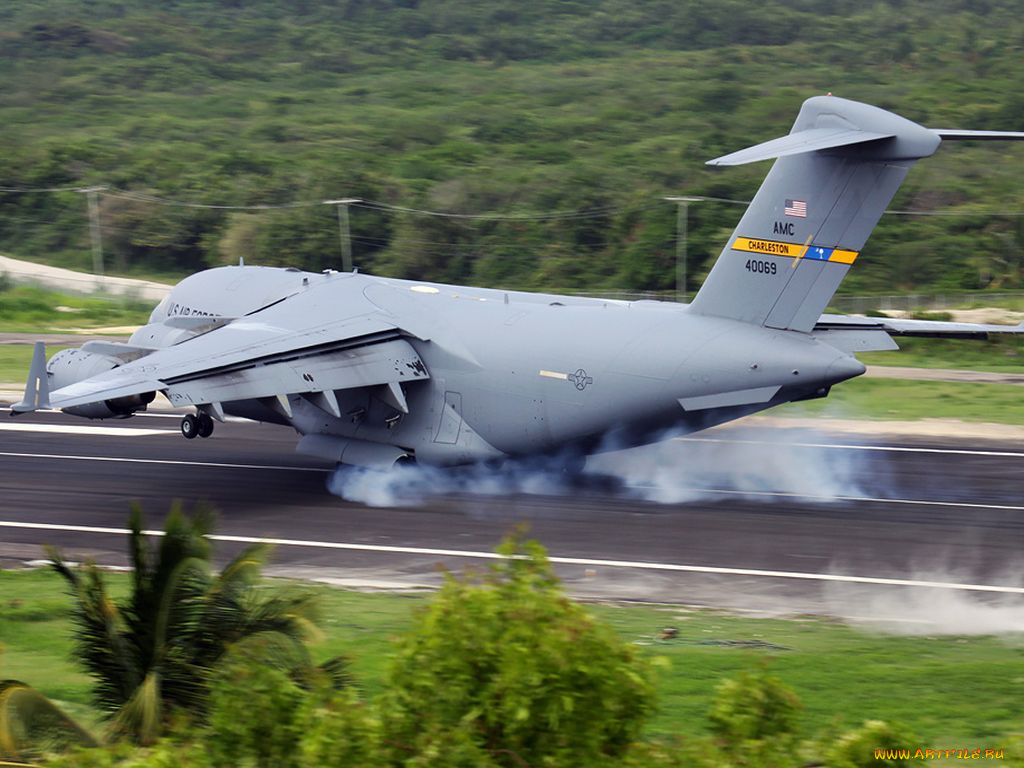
pixel 844 368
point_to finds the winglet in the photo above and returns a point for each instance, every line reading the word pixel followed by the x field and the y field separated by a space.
pixel 37 388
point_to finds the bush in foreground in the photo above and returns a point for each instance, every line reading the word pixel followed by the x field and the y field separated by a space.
pixel 505 670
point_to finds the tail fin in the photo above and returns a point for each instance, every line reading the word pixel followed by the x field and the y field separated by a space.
pixel 836 172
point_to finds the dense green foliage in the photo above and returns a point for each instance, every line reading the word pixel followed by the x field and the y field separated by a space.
pixel 479 107
pixel 500 669
pixel 285 725
pixel 505 670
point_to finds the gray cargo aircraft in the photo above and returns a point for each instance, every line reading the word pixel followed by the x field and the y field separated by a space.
pixel 373 371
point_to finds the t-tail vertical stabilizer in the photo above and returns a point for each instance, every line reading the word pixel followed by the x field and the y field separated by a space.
pixel 836 172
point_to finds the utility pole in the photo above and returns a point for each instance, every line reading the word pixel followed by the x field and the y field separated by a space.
pixel 682 225
pixel 91 197
pixel 343 230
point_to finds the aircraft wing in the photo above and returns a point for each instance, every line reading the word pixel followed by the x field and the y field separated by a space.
pixel 308 345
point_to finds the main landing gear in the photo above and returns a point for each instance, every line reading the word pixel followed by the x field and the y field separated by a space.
pixel 197 425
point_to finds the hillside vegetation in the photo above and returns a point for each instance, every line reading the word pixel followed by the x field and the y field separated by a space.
pixel 562 123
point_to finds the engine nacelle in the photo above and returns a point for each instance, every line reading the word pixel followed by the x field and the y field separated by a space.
pixel 73 365
pixel 118 408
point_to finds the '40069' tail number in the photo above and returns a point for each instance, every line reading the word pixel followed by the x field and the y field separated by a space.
pixel 761 267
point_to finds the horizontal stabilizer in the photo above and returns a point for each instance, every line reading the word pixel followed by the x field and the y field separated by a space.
pixel 936 329
pixel 809 140
pixel 956 135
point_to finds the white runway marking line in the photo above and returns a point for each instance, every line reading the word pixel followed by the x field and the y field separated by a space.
pixel 82 429
pixel 640 565
pixel 860 499
pixel 852 447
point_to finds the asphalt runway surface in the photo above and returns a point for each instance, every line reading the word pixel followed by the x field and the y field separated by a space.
pixel 744 520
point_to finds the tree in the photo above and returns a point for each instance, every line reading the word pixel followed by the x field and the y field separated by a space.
pixel 505 670
pixel 153 653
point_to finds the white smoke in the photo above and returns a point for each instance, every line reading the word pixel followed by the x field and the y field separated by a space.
pixel 932 610
pixel 413 484
pixel 756 463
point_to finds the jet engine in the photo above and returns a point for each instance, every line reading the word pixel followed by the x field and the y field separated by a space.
pixel 72 365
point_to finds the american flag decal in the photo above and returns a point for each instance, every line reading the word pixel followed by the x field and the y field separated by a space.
pixel 796 208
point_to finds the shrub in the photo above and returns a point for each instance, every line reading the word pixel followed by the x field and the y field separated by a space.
pixel 505 670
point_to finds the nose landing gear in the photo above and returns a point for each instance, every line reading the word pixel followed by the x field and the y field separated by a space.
pixel 196 425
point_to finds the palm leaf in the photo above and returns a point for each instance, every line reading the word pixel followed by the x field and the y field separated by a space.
pixel 141 717
pixel 31 724
pixel 338 672
pixel 99 642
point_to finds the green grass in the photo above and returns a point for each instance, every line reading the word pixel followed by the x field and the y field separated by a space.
pixel 1004 354
pixel 27 309
pixel 898 399
pixel 15 360
pixel 951 690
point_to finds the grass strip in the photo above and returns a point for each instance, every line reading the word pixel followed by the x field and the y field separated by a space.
pixel 899 399
pixel 950 690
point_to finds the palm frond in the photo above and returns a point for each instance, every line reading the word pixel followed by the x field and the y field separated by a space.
pixel 179 605
pixel 98 641
pixel 243 571
pixel 158 651
pixel 137 550
pixel 338 672
pixel 141 717
pixel 31 724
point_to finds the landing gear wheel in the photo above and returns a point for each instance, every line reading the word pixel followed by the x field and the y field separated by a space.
pixel 189 427
pixel 205 425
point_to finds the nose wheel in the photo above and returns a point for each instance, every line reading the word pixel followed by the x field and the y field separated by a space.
pixel 196 425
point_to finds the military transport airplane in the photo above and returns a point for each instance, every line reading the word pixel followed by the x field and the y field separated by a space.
pixel 373 371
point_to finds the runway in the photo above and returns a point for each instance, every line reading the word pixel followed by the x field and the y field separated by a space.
pixel 749 519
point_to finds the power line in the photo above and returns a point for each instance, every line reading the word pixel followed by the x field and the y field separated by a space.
pixel 141 197
pixel 586 213
pixel 28 190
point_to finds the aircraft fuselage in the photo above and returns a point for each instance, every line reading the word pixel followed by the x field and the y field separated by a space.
pixel 518 373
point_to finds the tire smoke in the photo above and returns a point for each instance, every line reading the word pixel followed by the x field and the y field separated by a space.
pixel 674 470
